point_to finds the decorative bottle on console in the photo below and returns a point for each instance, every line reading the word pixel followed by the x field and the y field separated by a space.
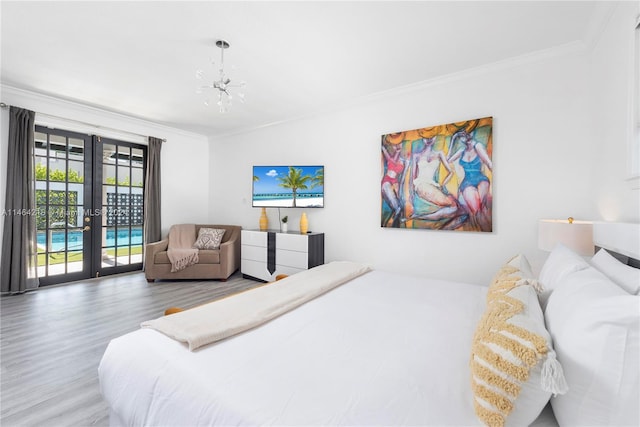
pixel 264 221
pixel 304 223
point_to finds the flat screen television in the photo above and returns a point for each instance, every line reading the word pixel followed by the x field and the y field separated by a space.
pixel 288 186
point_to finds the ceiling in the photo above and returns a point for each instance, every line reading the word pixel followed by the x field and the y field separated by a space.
pixel 298 58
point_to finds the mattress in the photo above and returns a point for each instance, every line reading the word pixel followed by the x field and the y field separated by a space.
pixel 383 349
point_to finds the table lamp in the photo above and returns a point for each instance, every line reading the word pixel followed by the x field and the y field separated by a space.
pixel 575 235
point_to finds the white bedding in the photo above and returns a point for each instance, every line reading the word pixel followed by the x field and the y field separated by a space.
pixel 382 349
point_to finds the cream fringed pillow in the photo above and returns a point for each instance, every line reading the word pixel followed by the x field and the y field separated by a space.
pixel 513 366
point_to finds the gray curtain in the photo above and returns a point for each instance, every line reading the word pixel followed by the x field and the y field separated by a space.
pixel 152 226
pixel 18 272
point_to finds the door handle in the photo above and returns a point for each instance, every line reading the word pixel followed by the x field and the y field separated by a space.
pixel 86 228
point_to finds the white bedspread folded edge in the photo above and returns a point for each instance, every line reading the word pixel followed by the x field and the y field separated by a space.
pixel 230 316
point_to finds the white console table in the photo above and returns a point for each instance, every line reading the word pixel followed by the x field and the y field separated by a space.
pixel 266 254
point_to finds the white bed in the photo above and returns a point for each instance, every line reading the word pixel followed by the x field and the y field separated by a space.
pixel 380 344
pixel 381 349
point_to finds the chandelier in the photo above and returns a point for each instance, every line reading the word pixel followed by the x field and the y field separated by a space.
pixel 222 85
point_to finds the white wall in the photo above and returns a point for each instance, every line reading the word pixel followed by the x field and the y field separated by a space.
pixel 185 156
pixel 616 196
pixel 560 137
pixel 542 165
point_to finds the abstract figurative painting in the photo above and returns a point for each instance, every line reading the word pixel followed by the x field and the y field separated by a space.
pixel 438 177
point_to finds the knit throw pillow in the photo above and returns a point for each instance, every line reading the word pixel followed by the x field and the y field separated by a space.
pixel 514 371
pixel 209 238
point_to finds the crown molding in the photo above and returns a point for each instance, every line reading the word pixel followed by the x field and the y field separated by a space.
pixel 64 109
pixel 568 49
pixel 600 18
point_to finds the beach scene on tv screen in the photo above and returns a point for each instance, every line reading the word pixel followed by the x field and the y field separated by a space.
pixel 288 186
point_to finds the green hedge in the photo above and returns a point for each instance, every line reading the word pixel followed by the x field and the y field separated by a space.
pixel 59 211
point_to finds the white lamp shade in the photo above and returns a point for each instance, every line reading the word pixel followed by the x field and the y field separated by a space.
pixel 576 235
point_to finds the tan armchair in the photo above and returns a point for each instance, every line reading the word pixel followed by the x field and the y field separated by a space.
pixel 212 264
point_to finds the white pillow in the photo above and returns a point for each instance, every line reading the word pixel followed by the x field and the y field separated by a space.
pixel 561 261
pixel 628 278
pixel 595 327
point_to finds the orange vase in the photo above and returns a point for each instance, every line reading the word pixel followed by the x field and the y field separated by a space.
pixel 264 221
pixel 304 223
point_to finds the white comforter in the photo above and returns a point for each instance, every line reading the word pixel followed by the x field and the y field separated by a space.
pixel 382 349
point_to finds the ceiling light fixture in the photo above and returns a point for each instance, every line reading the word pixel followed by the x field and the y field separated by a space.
pixel 223 84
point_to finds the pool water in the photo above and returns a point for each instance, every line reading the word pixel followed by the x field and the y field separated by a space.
pixel 74 239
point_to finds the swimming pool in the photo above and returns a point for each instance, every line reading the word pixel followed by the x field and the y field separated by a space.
pixel 74 239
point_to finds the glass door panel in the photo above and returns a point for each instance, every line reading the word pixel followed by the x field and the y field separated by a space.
pixel 63 160
pixel 89 201
pixel 122 199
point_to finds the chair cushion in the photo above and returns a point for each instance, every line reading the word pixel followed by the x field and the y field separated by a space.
pixel 204 257
pixel 209 256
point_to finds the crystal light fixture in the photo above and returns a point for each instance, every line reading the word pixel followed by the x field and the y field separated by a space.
pixel 222 85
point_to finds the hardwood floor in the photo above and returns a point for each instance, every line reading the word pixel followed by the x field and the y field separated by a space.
pixel 52 340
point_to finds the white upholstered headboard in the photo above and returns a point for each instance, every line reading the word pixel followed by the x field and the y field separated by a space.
pixel 623 238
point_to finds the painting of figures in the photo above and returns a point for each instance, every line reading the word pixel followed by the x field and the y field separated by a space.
pixel 439 177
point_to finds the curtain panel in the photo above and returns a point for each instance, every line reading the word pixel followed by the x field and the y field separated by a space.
pixel 18 272
pixel 152 187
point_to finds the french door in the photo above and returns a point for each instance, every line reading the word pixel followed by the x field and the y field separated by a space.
pixel 89 203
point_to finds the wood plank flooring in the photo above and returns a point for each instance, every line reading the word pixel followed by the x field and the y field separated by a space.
pixel 52 340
